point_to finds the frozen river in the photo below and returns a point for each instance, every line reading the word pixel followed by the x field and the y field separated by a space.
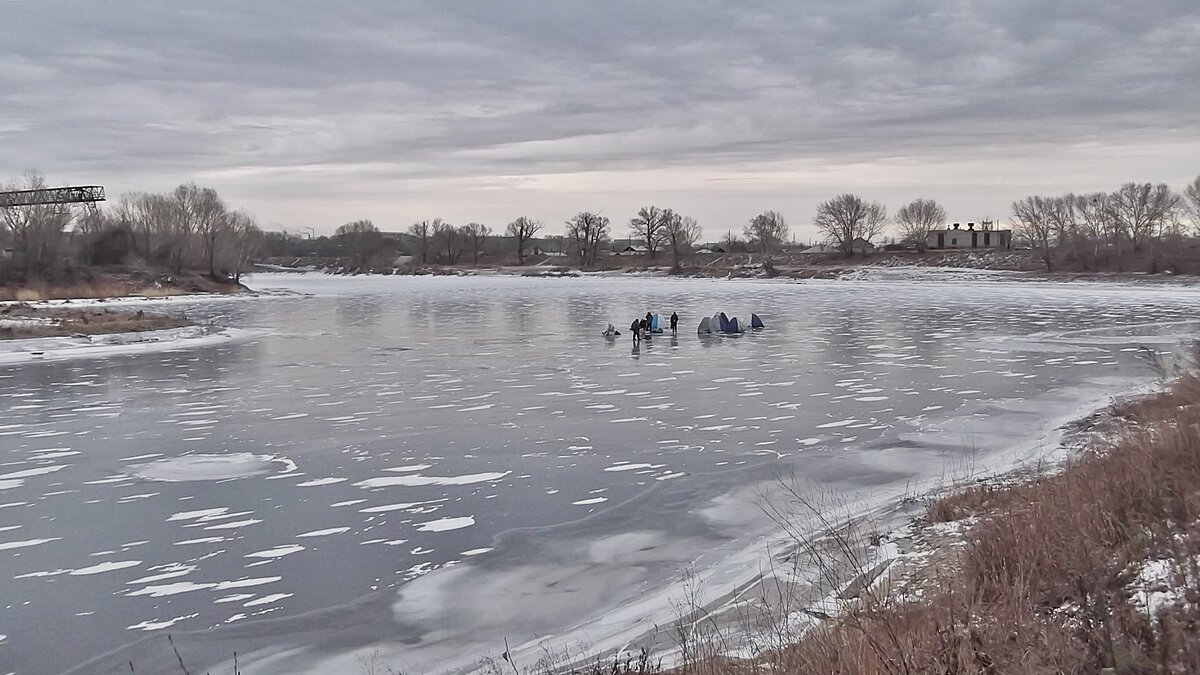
pixel 426 466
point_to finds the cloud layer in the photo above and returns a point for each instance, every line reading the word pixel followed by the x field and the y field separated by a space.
pixel 316 113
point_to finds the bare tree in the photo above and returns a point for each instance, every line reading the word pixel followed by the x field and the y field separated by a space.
pixel 243 242
pixel 681 233
pixel 1060 212
pixel 37 231
pixel 848 217
pixel 918 218
pixel 149 215
pixel 767 231
pixel 649 226
pixel 1091 215
pixel 1140 210
pixel 523 229
pixel 361 239
pixel 422 231
pixel 179 226
pixel 1091 230
pixel 1191 199
pixel 207 217
pixel 450 240
pixel 731 243
pixel 588 230
pixel 476 235
pixel 1034 223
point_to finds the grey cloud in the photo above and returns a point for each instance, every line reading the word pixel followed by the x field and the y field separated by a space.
pixel 381 91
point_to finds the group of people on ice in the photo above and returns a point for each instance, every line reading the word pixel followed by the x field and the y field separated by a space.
pixel 648 326
pixel 645 328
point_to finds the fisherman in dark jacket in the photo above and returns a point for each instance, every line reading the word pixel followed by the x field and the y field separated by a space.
pixel 636 329
pixel 674 323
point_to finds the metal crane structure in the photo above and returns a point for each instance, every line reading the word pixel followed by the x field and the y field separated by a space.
pixel 80 194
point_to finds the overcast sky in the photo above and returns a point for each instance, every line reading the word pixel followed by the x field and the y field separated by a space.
pixel 317 113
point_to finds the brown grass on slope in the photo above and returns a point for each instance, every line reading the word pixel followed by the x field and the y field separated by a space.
pixel 1049 579
pixel 22 321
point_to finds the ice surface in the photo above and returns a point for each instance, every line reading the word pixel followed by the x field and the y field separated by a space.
pixel 475 463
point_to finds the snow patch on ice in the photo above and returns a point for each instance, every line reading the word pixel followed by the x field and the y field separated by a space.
pixel 205 467
pixel 277 552
pixel 104 567
pixel 324 533
pixel 446 524
pixel 418 480
pixel 9 545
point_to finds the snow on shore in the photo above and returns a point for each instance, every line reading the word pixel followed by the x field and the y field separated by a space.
pixel 115 344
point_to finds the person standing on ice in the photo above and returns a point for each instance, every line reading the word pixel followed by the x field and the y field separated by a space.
pixel 645 324
pixel 674 323
pixel 636 329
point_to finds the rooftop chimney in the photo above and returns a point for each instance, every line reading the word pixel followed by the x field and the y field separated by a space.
pixel 970 226
pixel 956 226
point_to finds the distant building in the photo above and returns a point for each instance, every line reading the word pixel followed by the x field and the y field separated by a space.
pixel 619 246
pixel 548 246
pixel 956 237
pixel 822 248
pixel 861 246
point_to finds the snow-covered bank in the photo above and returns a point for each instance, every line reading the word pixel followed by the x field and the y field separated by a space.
pixel 115 344
pixel 116 301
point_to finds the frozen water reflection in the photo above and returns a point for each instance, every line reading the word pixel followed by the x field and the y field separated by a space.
pixel 431 464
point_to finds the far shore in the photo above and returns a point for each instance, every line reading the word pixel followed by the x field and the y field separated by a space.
pixel 850 269
pixel 119 284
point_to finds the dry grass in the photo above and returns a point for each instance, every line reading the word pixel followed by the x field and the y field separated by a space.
pixel 107 289
pixel 22 322
pixel 1044 582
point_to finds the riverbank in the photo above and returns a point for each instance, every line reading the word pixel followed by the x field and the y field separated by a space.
pixel 1090 567
pixel 120 284
pixel 24 321
pixel 1009 265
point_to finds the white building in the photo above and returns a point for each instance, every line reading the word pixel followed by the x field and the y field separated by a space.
pixel 956 237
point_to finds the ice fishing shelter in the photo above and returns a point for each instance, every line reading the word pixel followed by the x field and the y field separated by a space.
pixel 728 325
pixel 705 327
pixel 756 322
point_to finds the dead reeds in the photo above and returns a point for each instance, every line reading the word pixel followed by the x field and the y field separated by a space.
pixel 1052 574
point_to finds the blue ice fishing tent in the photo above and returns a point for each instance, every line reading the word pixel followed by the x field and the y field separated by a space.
pixel 725 327
pixel 654 327
pixel 756 322
pixel 734 326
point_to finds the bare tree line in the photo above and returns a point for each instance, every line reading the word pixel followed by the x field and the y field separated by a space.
pixel 1107 227
pixel 190 227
